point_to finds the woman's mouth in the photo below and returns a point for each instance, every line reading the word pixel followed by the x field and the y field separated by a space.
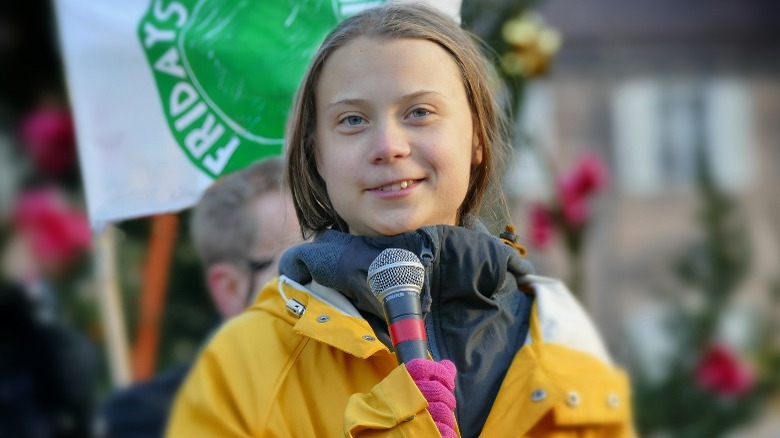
pixel 396 186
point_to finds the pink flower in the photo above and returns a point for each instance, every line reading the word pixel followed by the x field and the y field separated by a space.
pixel 542 226
pixel 721 371
pixel 49 138
pixel 57 233
pixel 574 208
pixel 588 176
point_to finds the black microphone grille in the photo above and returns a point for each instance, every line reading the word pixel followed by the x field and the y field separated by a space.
pixel 394 269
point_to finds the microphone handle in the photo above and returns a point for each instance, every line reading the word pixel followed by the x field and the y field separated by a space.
pixel 406 351
pixel 406 325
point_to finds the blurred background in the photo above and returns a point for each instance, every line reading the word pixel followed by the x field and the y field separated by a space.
pixel 645 167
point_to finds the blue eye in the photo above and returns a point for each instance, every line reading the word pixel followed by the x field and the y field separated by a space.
pixel 353 120
pixel 420 112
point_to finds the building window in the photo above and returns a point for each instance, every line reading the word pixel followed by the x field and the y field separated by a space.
pixel 659 125
pixel 528 175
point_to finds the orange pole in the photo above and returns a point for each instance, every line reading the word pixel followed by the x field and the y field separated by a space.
pixel 161 244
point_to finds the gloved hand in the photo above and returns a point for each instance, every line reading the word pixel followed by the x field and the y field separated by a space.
pixel 436 381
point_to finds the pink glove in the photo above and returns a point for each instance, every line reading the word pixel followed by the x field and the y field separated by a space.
pixel 436 381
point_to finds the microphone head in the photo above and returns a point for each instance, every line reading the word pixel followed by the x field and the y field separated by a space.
pixel 395 269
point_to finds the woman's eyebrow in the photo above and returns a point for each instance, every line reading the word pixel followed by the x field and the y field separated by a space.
pixel 346 101
pixel 359 101
pixel 422 93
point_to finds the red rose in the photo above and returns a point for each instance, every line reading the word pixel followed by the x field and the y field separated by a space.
pixel 588 176
pixel 48 136
pixel 57 233
pixel 541 226
pixel 721 371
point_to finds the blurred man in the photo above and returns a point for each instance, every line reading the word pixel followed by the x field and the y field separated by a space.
pixel 240 227
pixel 47 367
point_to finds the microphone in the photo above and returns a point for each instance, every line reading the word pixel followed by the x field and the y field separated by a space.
pixel 396 277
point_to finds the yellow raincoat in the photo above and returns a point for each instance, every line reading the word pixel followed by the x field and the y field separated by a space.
pixel 273 373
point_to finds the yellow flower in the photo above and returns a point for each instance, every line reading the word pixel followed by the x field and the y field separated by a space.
pixel 520 31
pixel 513 64
pixel 549 41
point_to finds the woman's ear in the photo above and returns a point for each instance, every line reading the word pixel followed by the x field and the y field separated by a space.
pixel 476 153
pixel 317 160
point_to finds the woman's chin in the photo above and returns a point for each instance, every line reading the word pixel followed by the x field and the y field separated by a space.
pixel 387 230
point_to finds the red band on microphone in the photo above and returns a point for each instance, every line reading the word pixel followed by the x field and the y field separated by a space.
pixel 410 329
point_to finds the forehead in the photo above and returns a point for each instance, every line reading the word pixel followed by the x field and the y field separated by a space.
pixel 367 65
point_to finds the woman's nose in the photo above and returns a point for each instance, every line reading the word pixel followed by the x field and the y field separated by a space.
pixel 390 143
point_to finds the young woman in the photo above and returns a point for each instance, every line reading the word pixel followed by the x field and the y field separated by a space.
pixel 393 143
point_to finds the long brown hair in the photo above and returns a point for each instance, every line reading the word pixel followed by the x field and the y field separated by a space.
pixel 388 22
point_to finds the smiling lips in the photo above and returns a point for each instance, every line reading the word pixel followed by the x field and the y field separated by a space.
pixel 396 186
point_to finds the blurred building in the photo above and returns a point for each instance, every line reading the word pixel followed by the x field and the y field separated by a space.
pixel 647 84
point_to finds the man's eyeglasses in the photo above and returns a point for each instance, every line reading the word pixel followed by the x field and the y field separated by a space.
pixel 256 266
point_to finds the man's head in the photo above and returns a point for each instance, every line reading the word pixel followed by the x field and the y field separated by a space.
pixel 240 227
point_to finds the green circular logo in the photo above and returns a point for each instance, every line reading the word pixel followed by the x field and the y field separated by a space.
pixel 227 70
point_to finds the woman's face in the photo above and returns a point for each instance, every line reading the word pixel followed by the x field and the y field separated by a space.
pixel 394 139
